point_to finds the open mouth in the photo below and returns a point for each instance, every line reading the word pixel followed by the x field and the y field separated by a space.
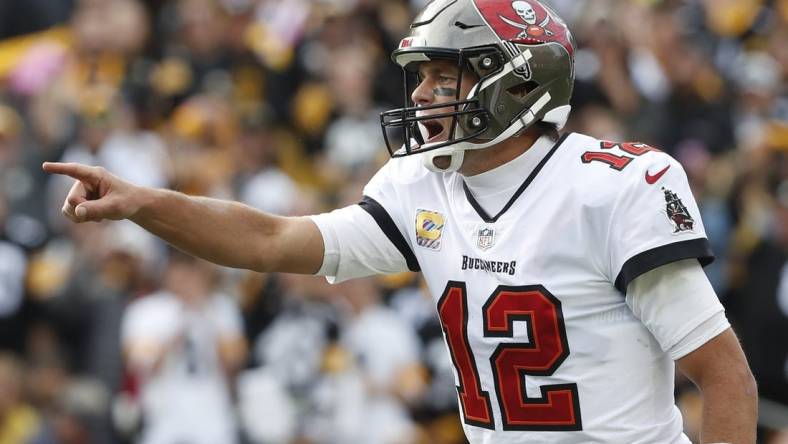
pixel 434 130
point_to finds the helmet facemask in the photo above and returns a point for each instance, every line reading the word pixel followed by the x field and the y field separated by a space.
pixel 408 130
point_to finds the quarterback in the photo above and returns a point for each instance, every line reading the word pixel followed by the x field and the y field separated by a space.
pixel 566 271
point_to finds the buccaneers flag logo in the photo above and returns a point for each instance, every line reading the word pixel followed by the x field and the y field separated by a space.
pixel 525 21
pixel 677 213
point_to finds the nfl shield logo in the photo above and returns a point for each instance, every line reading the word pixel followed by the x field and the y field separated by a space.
pixel 486 238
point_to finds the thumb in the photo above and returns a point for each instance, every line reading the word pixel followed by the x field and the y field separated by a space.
pixel 81 211
pixel 93 210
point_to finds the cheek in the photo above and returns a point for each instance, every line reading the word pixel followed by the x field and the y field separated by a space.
pixel 466 87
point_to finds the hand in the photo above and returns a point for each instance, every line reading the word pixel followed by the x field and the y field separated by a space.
pixel 97 194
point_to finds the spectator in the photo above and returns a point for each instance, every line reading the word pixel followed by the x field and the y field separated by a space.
pixel 185 344
pixel 387 350
pixel 19 422
pixel 13 268
pixel 760 304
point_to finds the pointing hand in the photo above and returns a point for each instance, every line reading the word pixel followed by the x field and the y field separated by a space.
pixel 96 195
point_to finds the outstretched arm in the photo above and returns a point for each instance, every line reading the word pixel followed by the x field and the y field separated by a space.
pixel 226 233
pixel 728 389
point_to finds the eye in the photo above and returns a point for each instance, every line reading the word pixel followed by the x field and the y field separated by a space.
pixel 445 79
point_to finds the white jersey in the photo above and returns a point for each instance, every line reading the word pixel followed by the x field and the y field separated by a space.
pixel 187 400
pixel 532 299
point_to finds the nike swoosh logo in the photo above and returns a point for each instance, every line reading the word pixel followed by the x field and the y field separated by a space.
pixel 651 180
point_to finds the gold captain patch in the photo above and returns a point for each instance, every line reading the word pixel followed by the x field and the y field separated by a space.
pixel 429 227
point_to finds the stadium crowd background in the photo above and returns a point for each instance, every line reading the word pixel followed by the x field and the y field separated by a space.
pixel 275 103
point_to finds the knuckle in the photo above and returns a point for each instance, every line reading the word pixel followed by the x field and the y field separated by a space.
pixel 113 207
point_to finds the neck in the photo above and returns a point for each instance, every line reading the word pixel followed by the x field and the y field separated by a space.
pixel 479 161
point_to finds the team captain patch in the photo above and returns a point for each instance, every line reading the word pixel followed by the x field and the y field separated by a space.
pixel 429 227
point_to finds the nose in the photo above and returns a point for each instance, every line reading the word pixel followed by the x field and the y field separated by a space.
pixel 423 94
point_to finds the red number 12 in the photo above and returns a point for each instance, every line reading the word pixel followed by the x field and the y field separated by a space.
pixel 616 162
pixel 559 406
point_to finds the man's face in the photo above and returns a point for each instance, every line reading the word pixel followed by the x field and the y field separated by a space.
pixel 438 84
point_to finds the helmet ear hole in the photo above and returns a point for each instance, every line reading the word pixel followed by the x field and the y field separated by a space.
pixel 520 91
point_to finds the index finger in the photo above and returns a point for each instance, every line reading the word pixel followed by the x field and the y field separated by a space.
pixel 75 170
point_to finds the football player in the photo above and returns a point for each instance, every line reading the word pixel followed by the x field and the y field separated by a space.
pixel 566 271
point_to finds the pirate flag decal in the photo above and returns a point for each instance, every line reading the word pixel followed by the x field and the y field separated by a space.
pixel 525 21
pixel 677 213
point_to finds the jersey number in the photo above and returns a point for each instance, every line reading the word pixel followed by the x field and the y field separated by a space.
pixel 616 162
pixel 558 408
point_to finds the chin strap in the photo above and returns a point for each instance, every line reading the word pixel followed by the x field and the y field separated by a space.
pixel 455 162
pixel 558 116
pixel 456 152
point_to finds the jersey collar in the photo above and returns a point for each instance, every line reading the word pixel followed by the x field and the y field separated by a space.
pixel 509 175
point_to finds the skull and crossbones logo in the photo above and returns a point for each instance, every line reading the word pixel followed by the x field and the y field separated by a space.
pixel 525 11
pixel 528 15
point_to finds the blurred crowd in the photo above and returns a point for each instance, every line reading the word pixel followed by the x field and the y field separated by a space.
pixel 109 336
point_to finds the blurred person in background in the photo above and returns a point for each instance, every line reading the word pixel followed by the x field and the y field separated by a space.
pixel 259 181
pixel 299 362
pixel 20 186
pixel 13 269
pixel 10 133
pixel 78 285
pixel 74 415
pixel 184 345
pixel 763 318
pixel 13 257
pixel 19 422
pixel 654 262
pixel 200 136
pixel 387 351
pixel 353 140
pixel 63 419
